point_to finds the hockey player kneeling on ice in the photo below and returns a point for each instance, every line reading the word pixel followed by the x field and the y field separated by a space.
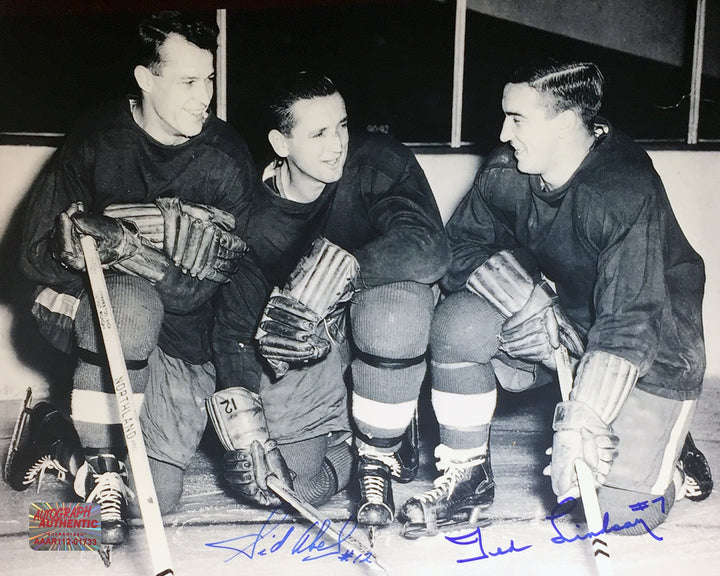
pixel 163 187
pixel 297 411
pixel 366 194
pixel 567 242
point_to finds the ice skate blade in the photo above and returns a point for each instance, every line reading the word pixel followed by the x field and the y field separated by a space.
pixel 415 531
pixel 17 433
pixel 104 552
pixel 371 536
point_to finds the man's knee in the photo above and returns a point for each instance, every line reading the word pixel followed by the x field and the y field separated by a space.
pixel 168 480
pixel 634 513
pixel 392 321
pixel 465 327
pixel 138 313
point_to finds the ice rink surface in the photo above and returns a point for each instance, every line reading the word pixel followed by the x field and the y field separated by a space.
pixel 210 533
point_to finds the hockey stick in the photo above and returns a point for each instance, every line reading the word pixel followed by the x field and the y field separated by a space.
pixel 311 514
pixel 586 480
pixel 144 486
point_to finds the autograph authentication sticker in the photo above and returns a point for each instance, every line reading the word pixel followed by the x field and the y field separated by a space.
pixel 64 526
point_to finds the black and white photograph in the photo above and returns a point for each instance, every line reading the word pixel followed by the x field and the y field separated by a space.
pixel 359 287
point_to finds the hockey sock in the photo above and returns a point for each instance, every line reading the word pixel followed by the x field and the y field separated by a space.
pixel 390 329
pixel 138 313
pixel 464 391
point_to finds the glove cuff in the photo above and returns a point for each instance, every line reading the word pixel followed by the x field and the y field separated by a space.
pixel 574 415
pixel 239 419
pixel 604 382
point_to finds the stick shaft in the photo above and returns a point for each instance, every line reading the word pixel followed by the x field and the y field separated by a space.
pixel 140 467
pixel 586 480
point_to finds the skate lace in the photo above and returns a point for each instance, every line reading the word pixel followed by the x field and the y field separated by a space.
pixel 691 487
pixel 374 487
pixel 443 486
pixel 110 492
pixel 390 460
pixel 42 465
pixel 453 472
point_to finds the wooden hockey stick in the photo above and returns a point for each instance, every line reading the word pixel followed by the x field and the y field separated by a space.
pixel 311 514
pixel 586 480
pixel 139 465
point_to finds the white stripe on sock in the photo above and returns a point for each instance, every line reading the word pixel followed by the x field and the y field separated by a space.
pixel 381 415
pixel 96 407
pixel 463 410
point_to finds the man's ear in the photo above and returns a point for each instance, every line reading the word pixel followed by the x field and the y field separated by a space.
pixel 568 121
pixel 143 77
pixel 278 141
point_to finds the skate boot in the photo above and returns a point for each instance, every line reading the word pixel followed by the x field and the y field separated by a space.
pixel 698 483
pixel 43 442
pixel 375 470
pixel 103 480
pixel 408 455
pixel 465 489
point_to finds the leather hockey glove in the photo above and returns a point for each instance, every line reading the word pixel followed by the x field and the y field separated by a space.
pixel 296 324
pixel 239 420
pixel 116 240
pixel 535 331
pixel 583 424
pixel 197 238
pixel 535 325
pixel 293 332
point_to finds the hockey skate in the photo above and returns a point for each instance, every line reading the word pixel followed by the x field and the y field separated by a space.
pixel 103 480
pixel 43 442
pixel 408 455
pixel 375 470
pixel 698 483
pixel 459 496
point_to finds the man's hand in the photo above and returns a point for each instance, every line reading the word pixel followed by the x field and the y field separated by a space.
pixel 539 328
pixel 239 420
pixel 290 331
pixel 580 434
pixel 115 239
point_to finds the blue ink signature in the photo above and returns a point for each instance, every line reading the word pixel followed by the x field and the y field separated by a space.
pixel 476 537
pixel 606 528
pixel 310 545
pixel 567 506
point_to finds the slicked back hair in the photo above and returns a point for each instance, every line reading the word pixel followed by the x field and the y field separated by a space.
pixel 303 86
pixel 566 86
pixel 152 33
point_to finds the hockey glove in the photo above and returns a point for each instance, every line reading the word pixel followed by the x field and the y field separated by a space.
pixel 580 434
pixel 239 420
pixel 292 331
pixel 197 238
pixel 116 240
pixel 295 324
pixel 535 331
pixel 583 424
pixel 535 325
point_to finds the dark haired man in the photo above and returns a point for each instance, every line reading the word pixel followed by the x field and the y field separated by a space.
pixel 368 195
pixel 151 179
pixel 571 200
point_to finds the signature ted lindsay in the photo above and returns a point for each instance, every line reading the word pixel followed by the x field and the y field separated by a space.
pixel 563 509
pixel 316 542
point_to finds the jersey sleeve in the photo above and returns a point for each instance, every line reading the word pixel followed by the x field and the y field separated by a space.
pixel 62 181
pixel 630 296
pixel 476 230
pixel 411 244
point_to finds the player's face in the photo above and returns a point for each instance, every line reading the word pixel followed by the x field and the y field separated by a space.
pixel 177 102
pixel 318 143
pixel 530 129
